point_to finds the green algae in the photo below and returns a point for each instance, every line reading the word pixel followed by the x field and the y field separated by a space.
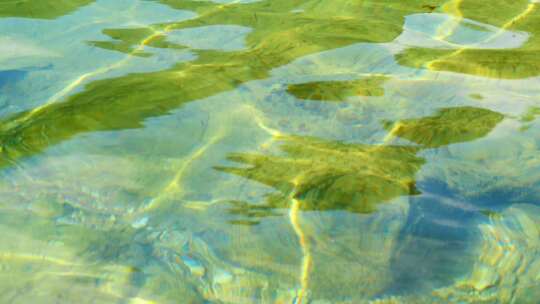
pixel 277 38
pixel 338 90
pixel 498 14
pixel 476 96
pixel 487 63
pixel 324 175
pixel 251 214
pixel 330 175
pixel 531 114
pixel 40 9
pixel 522 62
pixel 448 126
pixel 529 117
pixel 127 40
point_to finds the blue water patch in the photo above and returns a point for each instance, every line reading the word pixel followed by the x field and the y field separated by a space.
pixel 30 42
pixel 434 245
pixel 11 76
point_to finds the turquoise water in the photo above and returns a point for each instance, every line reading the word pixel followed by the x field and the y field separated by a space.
pixel 299 151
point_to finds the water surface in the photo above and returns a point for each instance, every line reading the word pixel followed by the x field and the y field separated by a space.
pixel 271 151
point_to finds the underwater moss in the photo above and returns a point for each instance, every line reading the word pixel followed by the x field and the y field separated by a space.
pixel 448 126
pixel 531 114
pixel 522 62
pixel 338 90
pixel 254 212
pixel 499 13
pixel 529 117
pixel 40 9
pixel 506 64
pixel 278 37
pixel 318 174
pixel 329 175
pixel 281 35
pixel 127 40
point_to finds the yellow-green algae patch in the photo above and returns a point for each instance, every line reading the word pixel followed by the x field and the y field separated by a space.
pixel 529 117
pixel 323 175
pixel 278 37
pixel 332 175
pixel 448 126
pixel 41 9
pixel 531 114
pixel 522 62
pixel 338 90
pixel 329 175
pixel 127 40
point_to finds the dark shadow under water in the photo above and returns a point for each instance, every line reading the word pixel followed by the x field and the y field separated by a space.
pixel 434 247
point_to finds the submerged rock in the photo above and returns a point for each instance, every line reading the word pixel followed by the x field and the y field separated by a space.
pixel 509 257
pixel 506 266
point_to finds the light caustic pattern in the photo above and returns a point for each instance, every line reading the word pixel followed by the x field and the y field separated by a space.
pixel 316 170
pixel 447 29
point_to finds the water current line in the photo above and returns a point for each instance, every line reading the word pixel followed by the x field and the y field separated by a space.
pixel 448 28
pixel 294 214
pixel 77 82
pixel 530 8
pixel 36 258
pixel 174 184
pixel 81 79
pixel 307 259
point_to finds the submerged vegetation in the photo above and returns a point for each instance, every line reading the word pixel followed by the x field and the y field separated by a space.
pixel 41 9
pixel 338 90
pixel 450 125
pixel 333 165
pixel 513 63
pixel 276 39
pixel 332 176
pixel 326 175
pixel 128 41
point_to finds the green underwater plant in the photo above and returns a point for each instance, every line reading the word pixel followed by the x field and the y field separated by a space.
pixel 529 117
pixel 448 126
pixel 531 114
pixel 338 90
pixel 321 175
pixel 126 40
pixel 511 63
pixel 250 213
pixel 40 9
pixel 329 175
pixel 278 37
pixel 311 174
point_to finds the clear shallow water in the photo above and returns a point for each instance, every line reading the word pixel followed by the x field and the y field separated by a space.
pixel 269 151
